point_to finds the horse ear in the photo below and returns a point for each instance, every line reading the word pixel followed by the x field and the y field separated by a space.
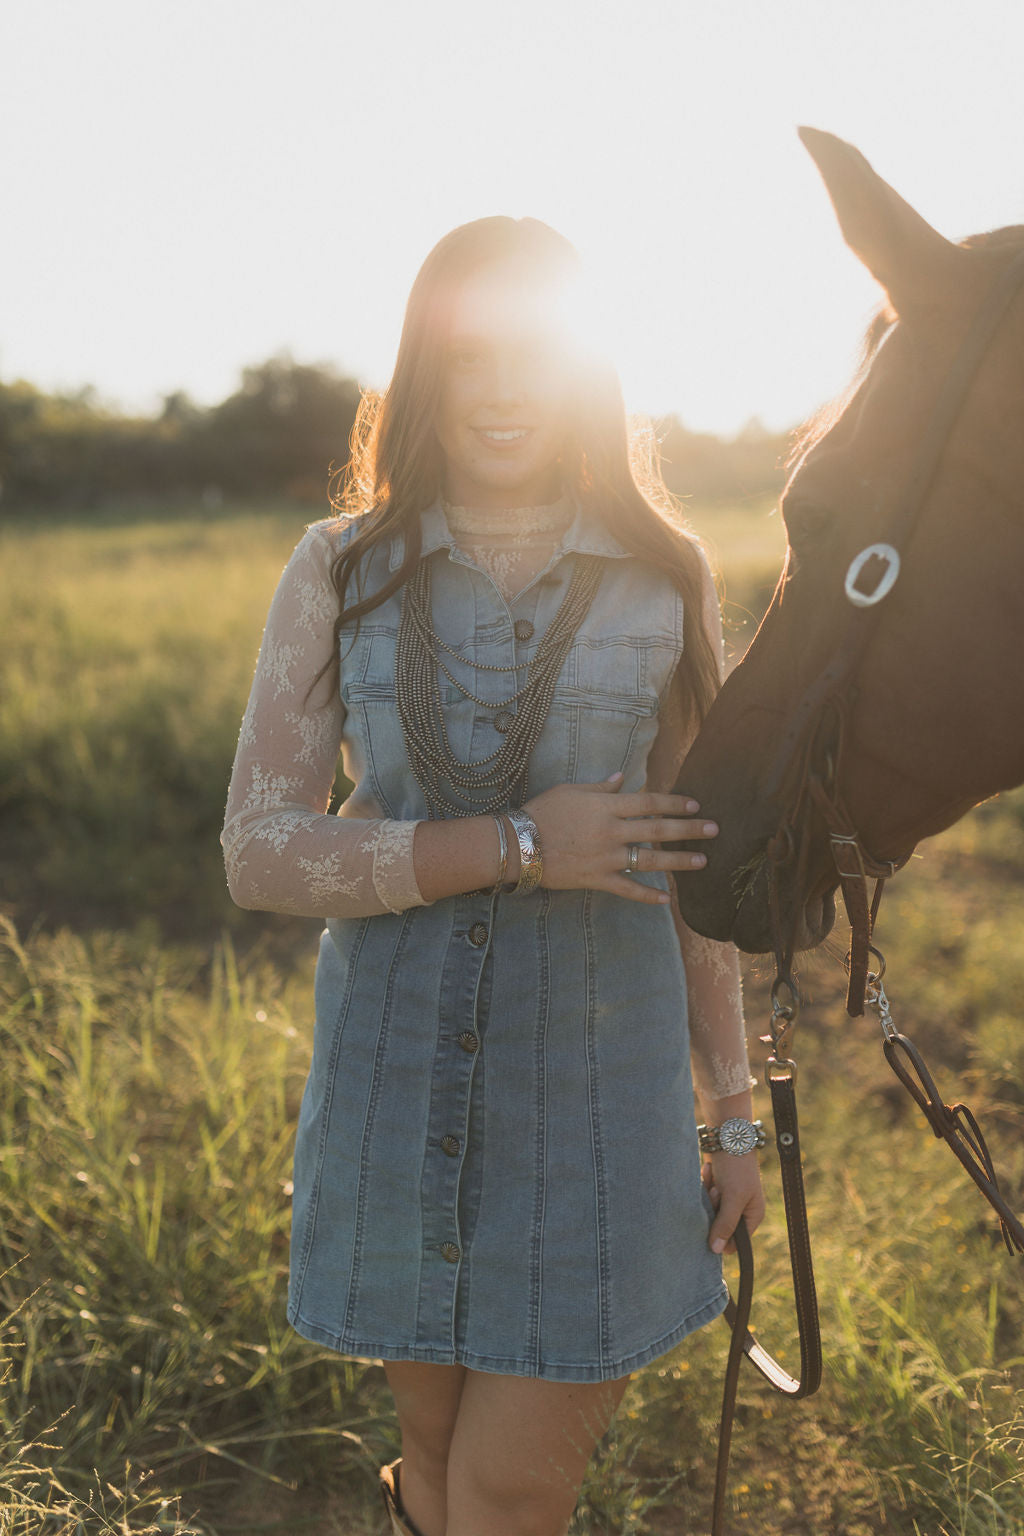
pixel 914 263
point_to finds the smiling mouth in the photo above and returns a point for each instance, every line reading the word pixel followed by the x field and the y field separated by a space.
pixel 503 434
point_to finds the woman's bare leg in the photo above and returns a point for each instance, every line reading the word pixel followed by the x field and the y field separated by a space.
pixel 519 1451
pixel 427 1402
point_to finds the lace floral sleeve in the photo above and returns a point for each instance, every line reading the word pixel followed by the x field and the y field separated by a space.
pixel 713 987
pixel 282 851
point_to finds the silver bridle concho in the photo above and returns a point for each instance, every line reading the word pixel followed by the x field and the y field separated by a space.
pixel 886 580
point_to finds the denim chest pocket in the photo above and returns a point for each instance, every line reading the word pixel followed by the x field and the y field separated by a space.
pixel 605 706
pixel 368 674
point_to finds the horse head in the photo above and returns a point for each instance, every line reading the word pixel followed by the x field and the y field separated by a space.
pixel 883 687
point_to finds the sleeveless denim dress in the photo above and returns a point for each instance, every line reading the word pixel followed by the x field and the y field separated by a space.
pixel 496 1161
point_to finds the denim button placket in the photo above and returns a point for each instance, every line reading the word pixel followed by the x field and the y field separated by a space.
pixel 450 1097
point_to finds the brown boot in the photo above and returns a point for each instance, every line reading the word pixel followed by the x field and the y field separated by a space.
pixel 401 1525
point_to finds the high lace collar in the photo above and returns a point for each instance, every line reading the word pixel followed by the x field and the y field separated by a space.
pixel 512 524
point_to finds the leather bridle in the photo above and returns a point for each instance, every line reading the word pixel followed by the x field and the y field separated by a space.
pixel 811 746
pixel 810 755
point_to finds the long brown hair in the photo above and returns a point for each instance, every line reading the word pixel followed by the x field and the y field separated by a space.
pixel 397 465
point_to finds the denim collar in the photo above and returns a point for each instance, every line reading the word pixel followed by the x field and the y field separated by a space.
pixel 584 536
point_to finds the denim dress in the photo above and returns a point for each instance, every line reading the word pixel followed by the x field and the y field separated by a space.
pixel 496 1162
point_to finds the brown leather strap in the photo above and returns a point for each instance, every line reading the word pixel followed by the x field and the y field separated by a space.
pixel 787 1142
pixel 855 867
pixel 956 1126
pixel 737 1312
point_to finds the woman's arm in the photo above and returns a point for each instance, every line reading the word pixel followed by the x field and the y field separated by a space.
pixel 282 851
pixel 718 1044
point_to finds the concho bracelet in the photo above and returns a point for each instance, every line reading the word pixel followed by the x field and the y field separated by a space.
pixel 735 1136
pixel 531 858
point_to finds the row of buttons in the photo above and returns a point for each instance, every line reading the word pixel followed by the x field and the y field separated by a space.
pixel 503 720
pixel 470 1043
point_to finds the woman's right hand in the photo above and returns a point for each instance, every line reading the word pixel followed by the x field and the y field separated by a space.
pixel 586 830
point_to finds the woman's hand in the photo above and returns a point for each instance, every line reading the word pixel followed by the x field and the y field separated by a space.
pixel 586 831
pixel 734 1184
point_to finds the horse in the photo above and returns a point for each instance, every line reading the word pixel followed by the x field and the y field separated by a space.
pixel 880 698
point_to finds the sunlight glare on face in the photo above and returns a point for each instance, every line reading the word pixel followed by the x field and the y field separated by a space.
pixel 515 358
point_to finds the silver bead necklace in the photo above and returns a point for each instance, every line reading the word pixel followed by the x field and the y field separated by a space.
pixel 491 782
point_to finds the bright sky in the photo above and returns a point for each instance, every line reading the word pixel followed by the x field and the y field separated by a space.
pixel 187 187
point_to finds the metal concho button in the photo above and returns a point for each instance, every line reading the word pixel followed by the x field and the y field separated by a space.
pixel 503 720
pixel 450 1252
pixel 523 629
pixel 478 935
pixel 469 1042
pixel 450 1145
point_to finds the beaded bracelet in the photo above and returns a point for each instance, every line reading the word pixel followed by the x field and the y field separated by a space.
pixel 531 857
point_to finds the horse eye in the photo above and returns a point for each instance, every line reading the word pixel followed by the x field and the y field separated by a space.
pixel 804 519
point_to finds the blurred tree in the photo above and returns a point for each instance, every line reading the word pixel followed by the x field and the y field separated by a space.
pixel 276 436
pixel 699 464
pixel 280 431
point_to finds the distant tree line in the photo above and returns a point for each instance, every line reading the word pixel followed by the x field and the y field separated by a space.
pixel 276 436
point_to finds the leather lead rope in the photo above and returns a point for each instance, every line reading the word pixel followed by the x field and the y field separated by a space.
pixel 954 1124
pixel 781 1076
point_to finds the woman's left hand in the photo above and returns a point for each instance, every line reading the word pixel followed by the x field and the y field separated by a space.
pixel 734 1184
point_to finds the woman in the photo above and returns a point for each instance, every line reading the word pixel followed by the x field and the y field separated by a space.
pixel 497 1185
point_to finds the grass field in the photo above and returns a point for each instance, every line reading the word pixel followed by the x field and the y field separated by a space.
pixel 156 1041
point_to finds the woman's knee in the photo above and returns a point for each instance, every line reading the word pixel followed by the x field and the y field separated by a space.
pixel 535 1504
pixel 520 1452
pixel 427 1403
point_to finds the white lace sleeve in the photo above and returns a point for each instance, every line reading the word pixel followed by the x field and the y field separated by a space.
pixel 718 1043
pixel 282 851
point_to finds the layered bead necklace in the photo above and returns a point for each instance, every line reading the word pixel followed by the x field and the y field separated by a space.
pixel 490 783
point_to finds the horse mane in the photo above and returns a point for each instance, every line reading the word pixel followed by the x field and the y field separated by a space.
pixel 825 417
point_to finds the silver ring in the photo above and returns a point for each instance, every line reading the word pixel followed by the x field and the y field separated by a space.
pixel 634 859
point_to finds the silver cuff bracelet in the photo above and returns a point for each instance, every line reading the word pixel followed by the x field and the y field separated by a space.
pixel 531 858
pixel 502 853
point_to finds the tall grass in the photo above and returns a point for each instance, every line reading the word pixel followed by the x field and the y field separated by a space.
pixel 128 653
pixel 148 1382
pixel 146 1119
